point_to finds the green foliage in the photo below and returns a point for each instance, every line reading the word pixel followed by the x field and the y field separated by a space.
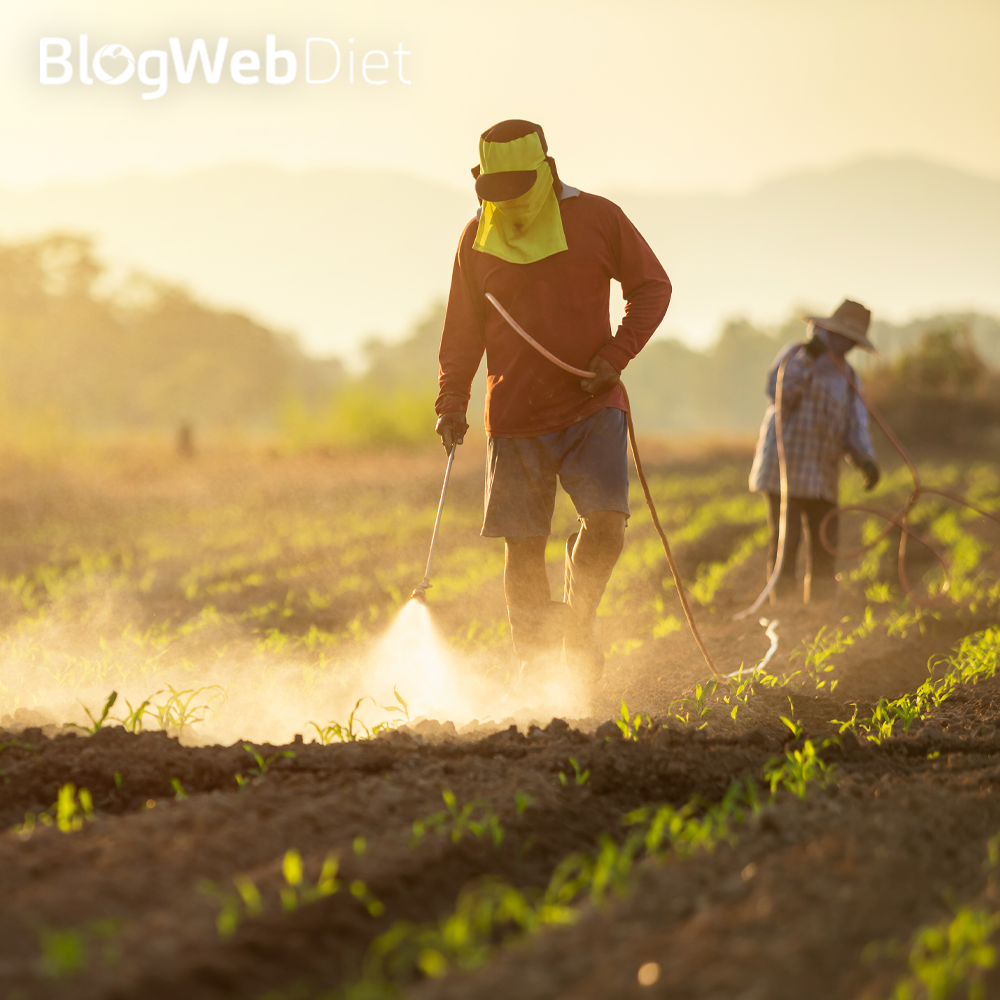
pixel 489 911
pixel 798 769
pixel 631 727
pixel 147 355
pixel 362 415
pixel 581 777
pixel 946 957
pixel 67 814
pixel 456 820
pixel 96 724
pixel 248 902
pixel 66 952
pixel 181 711
pixel 974 660
pixel 263 763
pixel 348 733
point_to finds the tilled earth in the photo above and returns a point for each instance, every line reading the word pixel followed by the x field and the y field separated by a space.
pixel 816 898
pixel 788 912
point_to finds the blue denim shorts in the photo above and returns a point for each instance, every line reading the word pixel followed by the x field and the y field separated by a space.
pixel 590 459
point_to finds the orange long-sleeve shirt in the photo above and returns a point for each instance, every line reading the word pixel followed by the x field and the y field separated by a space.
pixel 563 302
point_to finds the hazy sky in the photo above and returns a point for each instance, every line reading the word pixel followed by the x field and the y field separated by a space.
pixel 706 94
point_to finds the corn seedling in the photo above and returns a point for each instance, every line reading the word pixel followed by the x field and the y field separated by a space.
pixel 455 820
pixel 64 953
pixel 486 912
pixel 402 707
pixel 630 727
pixel 797 770
pixel 179 793
pixel 96 724
pixel 581 777
pixel 264 763
pixel 946 957
pixel 180 711
pixel 490 911
pixel 794 726
pixel 522 800
pixel 230 915
pixel 844 725
pixel 132 720
pixel 68 813
pixel 347 734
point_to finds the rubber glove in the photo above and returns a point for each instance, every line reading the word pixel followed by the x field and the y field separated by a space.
pixel 452 428
pixel 606 376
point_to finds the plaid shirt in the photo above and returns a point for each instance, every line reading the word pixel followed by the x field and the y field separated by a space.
pixel 823 420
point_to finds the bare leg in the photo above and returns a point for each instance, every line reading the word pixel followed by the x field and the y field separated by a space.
pixel 536 622
pixel 591 555
pixel 525 581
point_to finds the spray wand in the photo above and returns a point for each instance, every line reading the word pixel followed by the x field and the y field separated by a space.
pixel 420 591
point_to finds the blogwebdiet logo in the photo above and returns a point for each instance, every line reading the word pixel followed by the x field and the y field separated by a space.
pixel 114 64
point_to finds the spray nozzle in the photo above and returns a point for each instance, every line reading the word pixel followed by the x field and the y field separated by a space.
pixel 420 591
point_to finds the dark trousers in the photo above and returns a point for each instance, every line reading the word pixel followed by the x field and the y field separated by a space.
pixel 807 512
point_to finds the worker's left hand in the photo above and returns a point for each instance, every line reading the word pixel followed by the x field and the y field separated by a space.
pixel 606 376
pixel 871 473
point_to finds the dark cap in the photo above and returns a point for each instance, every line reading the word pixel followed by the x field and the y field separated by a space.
pixel 509 184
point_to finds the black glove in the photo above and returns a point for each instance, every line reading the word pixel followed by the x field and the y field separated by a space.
pixel 814 347
pixel 871 473
pixel 605 376
pixel 452 428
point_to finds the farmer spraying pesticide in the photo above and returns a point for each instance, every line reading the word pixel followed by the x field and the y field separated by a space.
pixel 540 256
pixel 822 419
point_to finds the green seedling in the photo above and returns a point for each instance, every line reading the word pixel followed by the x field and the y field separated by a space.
pixel 630 727
pixel 132 720
pixel 359 846
pixel 64 953
pixel 701 695
pixel 297 891
pixel 347 734
pixel 946 957
pixel 118 779
pixel 522 800
pixel 180 711
pixel 795 727
pixel 797 770
pixel 489 912
pixel 249 894
pixel 402 707
pixel 263 763
pixel 179 793
pixel 456 820
pixel 851 723
pixel 68 813
pixel 363 895
pixel 581 776
pixel 230 916
pixel 96 724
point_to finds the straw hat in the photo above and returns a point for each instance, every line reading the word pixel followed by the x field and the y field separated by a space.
pixel 851 319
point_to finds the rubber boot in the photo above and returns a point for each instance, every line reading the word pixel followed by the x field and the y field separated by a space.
pixel 589 562
pixel 537 633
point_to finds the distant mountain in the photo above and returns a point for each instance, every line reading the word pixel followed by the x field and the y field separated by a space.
pixel 903 236
pixel 335 254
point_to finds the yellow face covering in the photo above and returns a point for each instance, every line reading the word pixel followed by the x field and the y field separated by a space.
pixel 527 228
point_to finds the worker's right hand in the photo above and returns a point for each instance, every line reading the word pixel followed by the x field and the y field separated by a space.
pixel 452 428
pixel 871 473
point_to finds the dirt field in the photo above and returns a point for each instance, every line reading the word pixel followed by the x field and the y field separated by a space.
pixel 543 845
